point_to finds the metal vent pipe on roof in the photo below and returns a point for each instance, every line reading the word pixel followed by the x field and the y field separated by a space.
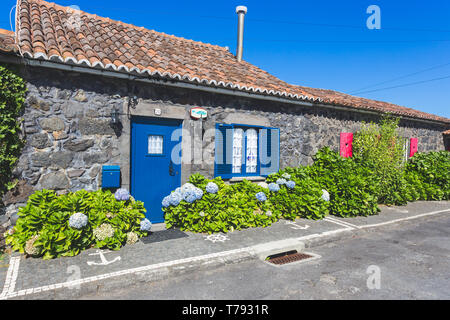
pixel 241 11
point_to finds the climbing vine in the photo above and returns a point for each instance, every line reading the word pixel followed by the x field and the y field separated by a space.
pixel 12 98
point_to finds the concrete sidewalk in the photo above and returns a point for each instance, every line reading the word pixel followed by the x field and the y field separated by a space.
pixel 168 253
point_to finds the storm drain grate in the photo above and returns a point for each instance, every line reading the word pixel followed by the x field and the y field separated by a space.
pixel 288 257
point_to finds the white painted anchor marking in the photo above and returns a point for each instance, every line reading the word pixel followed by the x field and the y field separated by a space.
pixel 102 257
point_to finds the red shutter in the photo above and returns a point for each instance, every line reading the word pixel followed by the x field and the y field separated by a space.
pixel 413 146
pixel 346 149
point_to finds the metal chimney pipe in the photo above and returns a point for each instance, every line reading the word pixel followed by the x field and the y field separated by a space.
pixel 241 11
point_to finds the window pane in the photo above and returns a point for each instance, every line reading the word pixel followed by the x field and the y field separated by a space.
pixel 252 150
pixel 237 150
pixel 155 144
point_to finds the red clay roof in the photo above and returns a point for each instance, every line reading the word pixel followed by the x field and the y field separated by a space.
pixel 52 32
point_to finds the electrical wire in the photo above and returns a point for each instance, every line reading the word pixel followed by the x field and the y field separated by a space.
pixel 346 41
pixel 405 85
pixel 398 78
pixel 273 21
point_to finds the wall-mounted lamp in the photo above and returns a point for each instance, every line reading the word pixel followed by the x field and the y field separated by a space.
pixel 115 117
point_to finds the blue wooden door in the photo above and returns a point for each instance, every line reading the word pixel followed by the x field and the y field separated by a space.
pixel 155 162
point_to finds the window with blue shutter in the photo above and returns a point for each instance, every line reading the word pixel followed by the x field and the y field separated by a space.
pixel 246 151
pixel 224 151
pixel 269 140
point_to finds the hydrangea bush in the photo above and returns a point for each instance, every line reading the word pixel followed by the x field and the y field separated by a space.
pixel 299 197
pixel 332 185
pixel 351 187
pixel 51 226
pixel 218 207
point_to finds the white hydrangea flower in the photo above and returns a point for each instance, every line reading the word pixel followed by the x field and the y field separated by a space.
pixel 30 248
pixel 104 231
pixel 325 195
pixel 132 238
pixel 78 220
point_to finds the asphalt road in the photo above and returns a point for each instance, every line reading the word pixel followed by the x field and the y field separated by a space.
pixel 409 260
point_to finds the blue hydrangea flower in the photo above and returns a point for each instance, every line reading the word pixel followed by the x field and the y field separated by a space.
pixel 189 196
pixel 186 187
pixel 281 181
pixel 274 187
pixel 290 184
pixel 122 195
pixel 78 220
pixel 166 202
pixel 175 198
pixel 146 225
pixel 261 196
pixel 286 175
pixel 212 187
pixel 325 195
pixel 198 193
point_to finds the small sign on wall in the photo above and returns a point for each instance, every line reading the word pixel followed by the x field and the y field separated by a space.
pixel 199 113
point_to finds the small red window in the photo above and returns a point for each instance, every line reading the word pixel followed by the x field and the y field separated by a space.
pixel 413 146
pixel 346 148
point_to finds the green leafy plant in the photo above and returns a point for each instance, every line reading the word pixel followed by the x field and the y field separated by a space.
pixel 376 174
pixel 43 228
pixel 380 148
pixel 233 207
pixel 12 98
pixel 304 200
pixel 352 188
pixel 429 175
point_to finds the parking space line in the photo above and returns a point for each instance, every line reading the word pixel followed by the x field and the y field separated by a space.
pixel 11 277
pixel 404 219
pixel 341 223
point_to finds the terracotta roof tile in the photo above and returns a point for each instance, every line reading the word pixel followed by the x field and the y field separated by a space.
pixel 7 43
pixel 47 29
pixel 447 133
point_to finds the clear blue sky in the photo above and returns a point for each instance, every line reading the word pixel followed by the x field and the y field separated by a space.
pixel 320 44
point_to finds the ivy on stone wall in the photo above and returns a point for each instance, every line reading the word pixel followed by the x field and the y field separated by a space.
pixel 12 98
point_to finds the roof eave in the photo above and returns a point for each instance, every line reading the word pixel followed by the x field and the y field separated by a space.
pixel 182 82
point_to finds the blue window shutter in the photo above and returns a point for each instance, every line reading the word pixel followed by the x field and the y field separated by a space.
pixel 224 151
pixel 269 155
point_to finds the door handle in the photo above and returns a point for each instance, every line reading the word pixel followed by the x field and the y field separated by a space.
pixel 171 170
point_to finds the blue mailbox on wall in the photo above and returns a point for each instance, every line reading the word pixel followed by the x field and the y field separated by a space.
pixel 111 177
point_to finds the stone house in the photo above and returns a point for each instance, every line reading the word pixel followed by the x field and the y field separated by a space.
pixel 113 105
